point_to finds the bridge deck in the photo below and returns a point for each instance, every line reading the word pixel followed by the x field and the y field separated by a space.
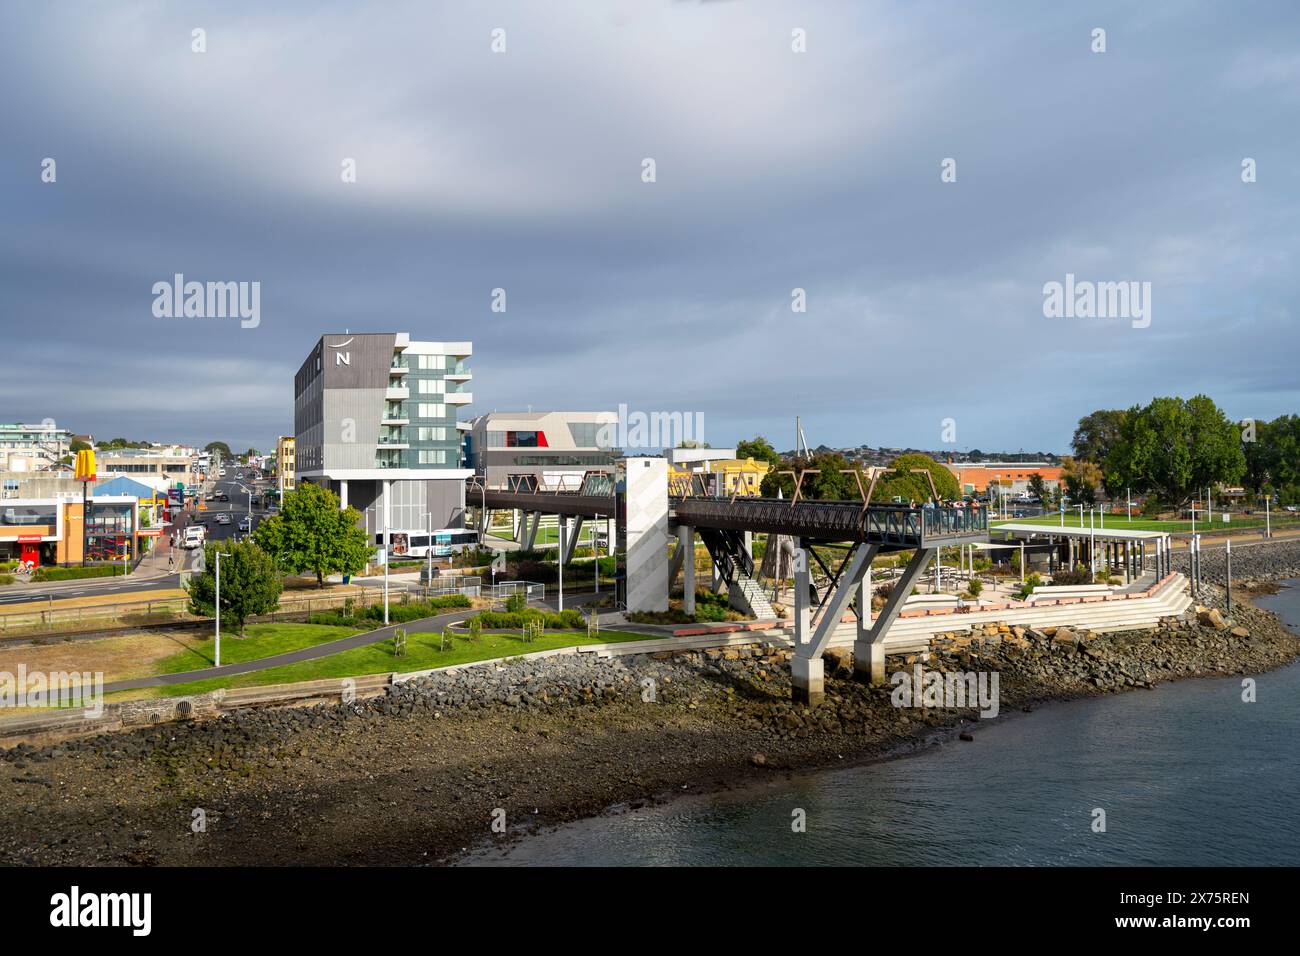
pixel 890 526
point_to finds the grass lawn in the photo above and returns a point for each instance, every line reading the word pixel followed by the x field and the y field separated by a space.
pixel 263 640
pixel 422 652
pixel 1150 524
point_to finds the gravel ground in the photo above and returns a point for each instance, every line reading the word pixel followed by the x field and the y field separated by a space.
pixel 420 775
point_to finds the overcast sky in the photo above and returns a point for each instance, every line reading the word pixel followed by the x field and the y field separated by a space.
pixel 775 170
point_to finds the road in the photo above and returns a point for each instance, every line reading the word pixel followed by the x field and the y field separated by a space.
pixel 235 489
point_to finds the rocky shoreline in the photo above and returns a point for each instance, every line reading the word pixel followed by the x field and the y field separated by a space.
pixel 422 774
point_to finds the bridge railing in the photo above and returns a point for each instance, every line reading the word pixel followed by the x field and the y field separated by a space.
pixel 949 522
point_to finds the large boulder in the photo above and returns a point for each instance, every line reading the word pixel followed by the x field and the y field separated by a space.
pixel 1212 618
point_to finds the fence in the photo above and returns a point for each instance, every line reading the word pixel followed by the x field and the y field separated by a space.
pixel 36 621
pixel 529 589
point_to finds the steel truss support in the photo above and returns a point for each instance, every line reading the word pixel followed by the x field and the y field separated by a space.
pixel 869 648
pixel 571 537
pixel 530 529
pixel 808 672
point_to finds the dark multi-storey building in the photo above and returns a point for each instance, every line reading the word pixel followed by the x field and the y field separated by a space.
pixel 375 421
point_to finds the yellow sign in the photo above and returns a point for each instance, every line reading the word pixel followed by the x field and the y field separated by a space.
pixel 85 465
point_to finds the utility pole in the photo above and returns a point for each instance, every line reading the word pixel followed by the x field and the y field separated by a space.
pixel 1268 528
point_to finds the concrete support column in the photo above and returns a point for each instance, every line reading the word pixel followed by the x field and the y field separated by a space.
pixel 802 606
pixel 868 656
pixel 343 495
pixel 808 676
pixel 686 544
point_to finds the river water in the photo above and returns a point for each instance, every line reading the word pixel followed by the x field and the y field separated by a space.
pixel 1187 774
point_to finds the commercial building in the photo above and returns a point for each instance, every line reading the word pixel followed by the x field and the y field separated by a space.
pixel 540 449
pixel 375 422
pixel 33 447
pixel 714 471
pixel 1009 477
pixel 170 463
pixel 44 531
pixel 285 467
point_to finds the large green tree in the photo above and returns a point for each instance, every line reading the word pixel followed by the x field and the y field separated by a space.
pixel 1272 451
pixel 1096 434
pixel 833 481
pixel 250 582
pixel 221 448
pixel 759 449
pixel 311 534
pixel 1175 448
pixel 904 481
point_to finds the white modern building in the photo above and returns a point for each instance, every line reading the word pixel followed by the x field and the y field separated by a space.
pixel 552 450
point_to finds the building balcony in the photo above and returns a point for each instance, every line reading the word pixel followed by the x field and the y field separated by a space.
pixel 394 444
pixel 397 393
pixel 395 422
pixel 458 398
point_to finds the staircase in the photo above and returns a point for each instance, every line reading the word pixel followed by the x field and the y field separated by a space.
pixel 737 570
pixel 911 634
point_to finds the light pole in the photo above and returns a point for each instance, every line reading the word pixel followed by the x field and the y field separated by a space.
pixel 428 553
pixel 560 522
pixel 218 603
pixel 386 553
pixel 595 547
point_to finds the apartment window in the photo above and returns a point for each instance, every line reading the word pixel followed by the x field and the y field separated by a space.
pixel 432 361
pixel 433 434
pixel 432 410
pixel 524 440
pixel 432 386
pixel 434 457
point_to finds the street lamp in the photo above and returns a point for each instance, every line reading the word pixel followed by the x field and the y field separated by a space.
pixel 595 547
pixel 218 603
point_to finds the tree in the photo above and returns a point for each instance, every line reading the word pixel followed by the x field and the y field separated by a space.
pixel 250 583
pixel 1038 487
pixel 1081 478
pixel 312 535
pixel 78 445
pixel 833 481
pixel 1097 434
pixel 1175 448
pixel 759 449
pixel 219 447
pixel 904 483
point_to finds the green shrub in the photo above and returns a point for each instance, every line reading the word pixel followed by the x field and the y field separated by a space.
pixel 975 587
pixel 568 619
pixel 516 603
pixel 1069 576
pixel 1027 588
pixel 69 574
pixel 7 579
